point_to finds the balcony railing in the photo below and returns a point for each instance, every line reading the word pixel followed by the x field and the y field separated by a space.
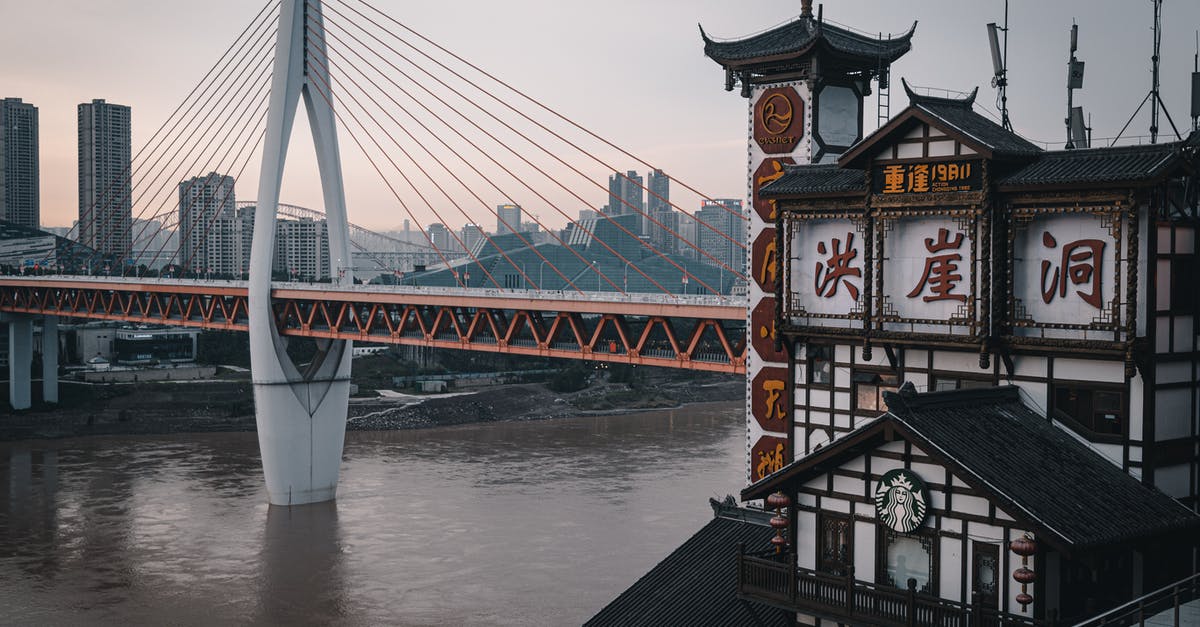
pixel 1168 599
pixel 848 600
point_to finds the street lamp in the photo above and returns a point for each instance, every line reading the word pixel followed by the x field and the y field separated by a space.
pixel 625 278
pixel 540 267
pixel 597 271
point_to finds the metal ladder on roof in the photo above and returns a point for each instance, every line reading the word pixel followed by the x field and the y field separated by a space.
pixel 883 95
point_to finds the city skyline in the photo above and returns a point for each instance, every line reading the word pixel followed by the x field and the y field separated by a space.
pixel 678 120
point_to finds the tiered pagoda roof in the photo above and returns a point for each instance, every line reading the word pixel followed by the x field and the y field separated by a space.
pixel 806 48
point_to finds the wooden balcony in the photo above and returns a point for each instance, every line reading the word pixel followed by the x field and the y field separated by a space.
pixel 848 600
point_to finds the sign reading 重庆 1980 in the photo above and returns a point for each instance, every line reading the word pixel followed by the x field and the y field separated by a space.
pixel 926 178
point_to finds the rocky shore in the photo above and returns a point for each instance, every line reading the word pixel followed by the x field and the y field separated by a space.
pixel 227 405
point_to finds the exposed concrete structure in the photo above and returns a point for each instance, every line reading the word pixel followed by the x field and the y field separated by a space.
pixel 301 415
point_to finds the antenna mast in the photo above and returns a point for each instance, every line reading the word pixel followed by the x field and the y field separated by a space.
pixel 1074 81
pixel 1000 66
pixel 1153 94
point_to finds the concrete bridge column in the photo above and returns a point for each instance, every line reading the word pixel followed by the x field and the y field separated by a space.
pixel 20 358
pixel 50 359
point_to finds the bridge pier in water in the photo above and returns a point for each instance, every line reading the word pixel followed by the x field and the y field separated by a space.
pixel 20 359
pixel 301 415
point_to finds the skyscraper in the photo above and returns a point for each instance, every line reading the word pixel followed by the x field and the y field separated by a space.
pixel 658 207
pixel 206 229
pixel 625 195
pixel 105 209
pixel 510 214
pixel 19 199
pixel 721 235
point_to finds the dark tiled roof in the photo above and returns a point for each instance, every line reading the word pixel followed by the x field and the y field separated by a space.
pixel 959 114
pixel 798 36
pixel 1095 165
pixel 1031 469
pixel 697 583
pixel 815 179
pixel 1053 479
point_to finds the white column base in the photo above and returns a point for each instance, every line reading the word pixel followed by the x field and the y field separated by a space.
pixel 20 359
pixel 50 359
pixel 301 450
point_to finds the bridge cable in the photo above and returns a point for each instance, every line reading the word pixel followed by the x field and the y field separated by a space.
pixel 532 120
pixel 165 141
pixel 164 179
pixel 644 244
pixel 325 96
pixel 532 247
pixel 508 171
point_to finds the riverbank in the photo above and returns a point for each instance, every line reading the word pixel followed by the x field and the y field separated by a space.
pixel 147 408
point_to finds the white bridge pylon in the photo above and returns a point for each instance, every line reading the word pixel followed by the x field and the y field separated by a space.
pixel 301 416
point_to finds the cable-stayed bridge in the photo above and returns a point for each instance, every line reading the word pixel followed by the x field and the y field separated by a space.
pixel 449 143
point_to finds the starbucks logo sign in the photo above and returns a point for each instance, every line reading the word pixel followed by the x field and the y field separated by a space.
pixel 900 500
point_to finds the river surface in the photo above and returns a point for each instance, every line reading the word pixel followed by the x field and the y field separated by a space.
pixel 516 523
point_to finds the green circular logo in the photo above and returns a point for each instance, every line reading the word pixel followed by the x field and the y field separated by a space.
pixel 901 500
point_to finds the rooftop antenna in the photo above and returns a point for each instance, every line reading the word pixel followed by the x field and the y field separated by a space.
pixel 1153 97
pixel 1196 84
pixel 1000 65
pixel 1074 81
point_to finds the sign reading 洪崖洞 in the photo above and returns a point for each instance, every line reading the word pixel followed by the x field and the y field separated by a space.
pixel 927 178
pixel 1065 270
pixel 901 500
pixel 827 267
pixel 927 269
pixel 779 120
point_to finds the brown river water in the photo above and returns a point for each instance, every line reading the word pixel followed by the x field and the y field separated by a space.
pixel 514 523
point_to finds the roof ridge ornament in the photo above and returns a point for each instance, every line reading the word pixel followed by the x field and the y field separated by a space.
pixel 806 9
pixel 914 98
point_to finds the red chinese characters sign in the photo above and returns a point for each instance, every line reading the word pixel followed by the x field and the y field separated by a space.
pixel 768 455
pixel 762 332
pixel 926 178
pixel 927 272
pixel 779 120
pixel 768 171
pixel 1081 264
pixel 1065 270
pixel 769 399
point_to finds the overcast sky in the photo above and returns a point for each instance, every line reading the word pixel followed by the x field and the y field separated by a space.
pixel 633 72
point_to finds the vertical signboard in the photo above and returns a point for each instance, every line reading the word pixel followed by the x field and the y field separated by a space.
pixel 779 136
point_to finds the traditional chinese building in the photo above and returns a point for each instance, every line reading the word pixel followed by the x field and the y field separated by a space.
pixel 1042 460
pixel 973 382
pixel 1045 304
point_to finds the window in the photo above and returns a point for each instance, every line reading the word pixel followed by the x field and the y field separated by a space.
pixel 820 365
pixel 869 388
pixel 907 556
pixel 943 382
pixel 1100 411
pixel 835 547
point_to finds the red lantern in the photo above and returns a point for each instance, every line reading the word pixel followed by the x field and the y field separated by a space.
pixel 780 543
pixel 1023 546
pixel 778 500
pixel 779 522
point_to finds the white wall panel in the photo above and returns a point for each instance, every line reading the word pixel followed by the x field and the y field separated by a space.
pixel 1172 413
pixel 1173 480
pixel 1089 370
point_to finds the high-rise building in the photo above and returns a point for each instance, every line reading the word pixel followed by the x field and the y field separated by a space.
pixel 302 248
pixel 208 242
pixel 105 209
pixel 19 199
pixel 508 219
pixel 659 216
pixel 718 232
pixel 472 234
pixel 439 236
pixel 625 195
